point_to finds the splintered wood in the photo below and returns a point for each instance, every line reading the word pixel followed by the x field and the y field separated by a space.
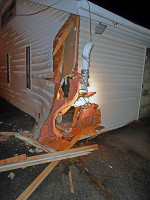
pixel 86 119
pixel 70 140
pixel 50 130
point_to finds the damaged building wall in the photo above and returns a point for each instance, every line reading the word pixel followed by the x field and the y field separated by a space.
pixel 37 32
pixel 84 120
pixel 116 71
pixel 117 63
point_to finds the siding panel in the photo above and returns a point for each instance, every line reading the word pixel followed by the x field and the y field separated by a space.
pixel 37 31
pixel 116 70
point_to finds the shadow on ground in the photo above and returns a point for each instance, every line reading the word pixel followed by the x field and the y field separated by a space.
pixel 118 170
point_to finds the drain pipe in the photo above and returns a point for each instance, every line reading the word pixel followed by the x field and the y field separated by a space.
pixel 85 66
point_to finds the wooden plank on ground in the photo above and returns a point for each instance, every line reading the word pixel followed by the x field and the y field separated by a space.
pixel 30 189
pixel 3 138
pixel 14 159
pixel 70 180
pixel 50 157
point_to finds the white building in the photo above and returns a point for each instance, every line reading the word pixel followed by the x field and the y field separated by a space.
pixel 119 58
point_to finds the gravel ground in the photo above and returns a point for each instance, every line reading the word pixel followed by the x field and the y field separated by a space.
pixel 118 170
pixel 13 119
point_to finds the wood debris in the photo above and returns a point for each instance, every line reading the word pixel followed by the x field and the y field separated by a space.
pixel 30 189
pixel 34 143
pixel 23 161
pixel 14 133
pixel 15 159
pixel 70 180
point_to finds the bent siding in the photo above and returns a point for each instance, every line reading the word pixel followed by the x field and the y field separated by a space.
pixel 37 31
pixel 116 71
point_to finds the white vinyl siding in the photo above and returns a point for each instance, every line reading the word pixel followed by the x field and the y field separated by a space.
pixel 37 31
pixel 116 71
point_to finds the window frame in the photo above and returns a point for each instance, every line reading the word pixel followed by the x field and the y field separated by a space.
pixel 28 67
pixel 8 67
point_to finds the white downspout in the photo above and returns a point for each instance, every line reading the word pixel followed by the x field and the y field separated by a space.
pixel 85 66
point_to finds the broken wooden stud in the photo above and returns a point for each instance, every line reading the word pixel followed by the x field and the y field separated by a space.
pixel 70 180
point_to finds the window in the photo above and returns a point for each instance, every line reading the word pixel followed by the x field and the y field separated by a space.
pixel 8 13
pixel 28 68
pixel 8 67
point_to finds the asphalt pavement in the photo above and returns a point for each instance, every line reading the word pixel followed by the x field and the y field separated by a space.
pixel 119 169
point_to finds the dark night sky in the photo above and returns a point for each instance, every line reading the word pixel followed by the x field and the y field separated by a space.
pixel 134 10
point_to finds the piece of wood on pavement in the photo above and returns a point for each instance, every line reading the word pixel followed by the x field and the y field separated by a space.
pixel 30 189
pixel 50 157
pixel 3 138
pixel 14 159
pixel 70 180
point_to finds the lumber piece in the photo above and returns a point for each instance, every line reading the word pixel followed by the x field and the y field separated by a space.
pixel 75 117
pixel 50 157
pixel 63 143
pixel 30 189
pixel 70 180
pixel 64 35
pixel 3 138
pixel 35 143
pixel 14 133
pixel 14 159
pixel 77 44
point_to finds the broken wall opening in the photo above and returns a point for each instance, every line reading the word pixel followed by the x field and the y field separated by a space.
pixel 67 123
